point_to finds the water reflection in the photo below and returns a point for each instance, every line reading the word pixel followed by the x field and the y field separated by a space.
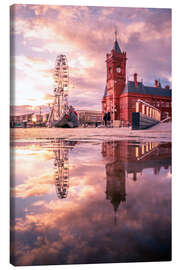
pixel 125 158
pixel 61 166
pixel 135 157
pixel 84 227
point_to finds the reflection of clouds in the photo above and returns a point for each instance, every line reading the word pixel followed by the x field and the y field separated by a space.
pixel 24 150
pixel 84 192
pixel 95 235
pixel 86 229
pixel 39 203
pixel 34 186
pixel 42 155
pixel 80 229
pixel 29 161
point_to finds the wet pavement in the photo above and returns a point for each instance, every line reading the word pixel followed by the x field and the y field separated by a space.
pixel 161 132
pixel 78 196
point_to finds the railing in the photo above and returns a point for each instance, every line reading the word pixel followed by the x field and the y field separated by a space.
pixel 166 119
pixel 145 149
pixel 148 110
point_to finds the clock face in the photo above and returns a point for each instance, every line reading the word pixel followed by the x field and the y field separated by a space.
pixel 118 69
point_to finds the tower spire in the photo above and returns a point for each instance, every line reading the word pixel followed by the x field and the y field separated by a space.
pixel 116 45
pixel 115 33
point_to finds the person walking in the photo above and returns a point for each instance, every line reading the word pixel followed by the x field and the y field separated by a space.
pixel 108 118
pixel 105 119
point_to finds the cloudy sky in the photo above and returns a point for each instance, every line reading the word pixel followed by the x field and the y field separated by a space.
pixel 85 34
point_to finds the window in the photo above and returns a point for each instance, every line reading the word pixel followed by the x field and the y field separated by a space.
pixel 147 110
pixel 118 69
pixel 143 108
pixel 137 106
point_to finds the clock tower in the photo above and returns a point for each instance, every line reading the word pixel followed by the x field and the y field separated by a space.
pixel 116 79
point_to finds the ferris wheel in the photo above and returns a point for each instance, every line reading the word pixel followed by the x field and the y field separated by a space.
pixel 61 85
pixel 61 75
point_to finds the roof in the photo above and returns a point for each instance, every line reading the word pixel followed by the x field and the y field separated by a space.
pixel 146 90
pixel 116 47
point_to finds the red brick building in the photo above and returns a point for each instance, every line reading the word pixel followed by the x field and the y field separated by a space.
pixel 120 97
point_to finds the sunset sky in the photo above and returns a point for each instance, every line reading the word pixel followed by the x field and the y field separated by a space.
pixel 85 34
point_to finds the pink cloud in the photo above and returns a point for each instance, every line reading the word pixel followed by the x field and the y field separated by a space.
pixel 85 35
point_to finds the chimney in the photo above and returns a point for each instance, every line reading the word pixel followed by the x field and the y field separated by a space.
pixel 135 79
pixel 167 86
pixel 156 83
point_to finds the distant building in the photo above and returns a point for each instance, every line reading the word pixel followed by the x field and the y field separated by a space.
pixel 28 120
pixel 86 117
pixel 22 120
pixel 45 117
pixel 120 97
pixel 89 117
pixel 37 118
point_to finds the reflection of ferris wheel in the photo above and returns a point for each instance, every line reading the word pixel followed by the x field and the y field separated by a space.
pixel 61 84
pixel 61 150
pixel 61 166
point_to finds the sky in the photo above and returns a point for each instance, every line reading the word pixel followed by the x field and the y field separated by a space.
pixel 85 34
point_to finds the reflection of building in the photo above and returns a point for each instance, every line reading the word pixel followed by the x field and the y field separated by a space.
pixel 61 166
pixel 116 186
pixel 126 157
pixel 115 173
pixel 89 117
